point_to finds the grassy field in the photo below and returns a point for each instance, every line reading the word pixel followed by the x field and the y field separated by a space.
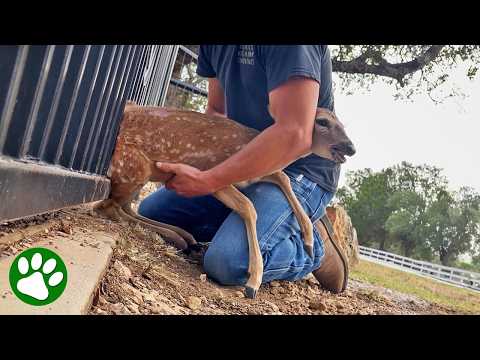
pixel 463 300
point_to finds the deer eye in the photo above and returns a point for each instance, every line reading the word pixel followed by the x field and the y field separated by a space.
pixel 322 122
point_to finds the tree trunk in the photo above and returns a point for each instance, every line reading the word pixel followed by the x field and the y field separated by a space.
pixel 408 247
pixel 382 243
pixel 444 257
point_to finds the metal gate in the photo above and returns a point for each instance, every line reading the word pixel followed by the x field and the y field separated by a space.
pixel 187 90
pixel 60 108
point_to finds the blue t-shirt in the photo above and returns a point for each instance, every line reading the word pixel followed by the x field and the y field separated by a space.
pixel 249 72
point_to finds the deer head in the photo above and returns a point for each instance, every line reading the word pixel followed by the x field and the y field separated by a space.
pixel 329 137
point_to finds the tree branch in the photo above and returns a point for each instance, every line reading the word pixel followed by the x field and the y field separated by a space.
pixel 382 67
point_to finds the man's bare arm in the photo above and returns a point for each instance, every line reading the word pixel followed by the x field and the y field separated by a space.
pixel 293 107
pixel 216 98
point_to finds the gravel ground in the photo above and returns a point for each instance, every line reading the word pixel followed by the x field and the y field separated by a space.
pixel 148 276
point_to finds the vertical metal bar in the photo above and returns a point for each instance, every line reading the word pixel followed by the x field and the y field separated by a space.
pixel 169 74
pixel 105 105
pixel 56 99
pixel 106 152
pixel 11 99
pixel 156 77
pixel 110 143
pixel 37 99
pixel 87 106
pixel 92 128
pixel 143 74
pixel 73 100
pixel 114 106
pixel 147 74
pixel 151 72
pixel 164 72
pixel 134 90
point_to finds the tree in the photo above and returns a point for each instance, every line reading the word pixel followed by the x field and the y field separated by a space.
pixel 412 69
pixel 409 209
pixel 406 221
pixel 454 224
pixel 366 199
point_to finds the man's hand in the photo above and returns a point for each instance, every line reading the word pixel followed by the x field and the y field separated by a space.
pixel 188 181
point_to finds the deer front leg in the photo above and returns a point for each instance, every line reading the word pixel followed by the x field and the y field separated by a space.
pixel 283 181
pixel 235 200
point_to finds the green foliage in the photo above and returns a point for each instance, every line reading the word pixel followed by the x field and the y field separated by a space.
pixel 184 99
pixel 409 209
pixel 430 79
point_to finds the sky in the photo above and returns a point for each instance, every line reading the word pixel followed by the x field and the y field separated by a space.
pixel 386 131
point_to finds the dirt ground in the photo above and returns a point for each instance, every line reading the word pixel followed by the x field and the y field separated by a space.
pixel 148 276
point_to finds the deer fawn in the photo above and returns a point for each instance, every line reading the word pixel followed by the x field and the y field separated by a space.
pixel 151 134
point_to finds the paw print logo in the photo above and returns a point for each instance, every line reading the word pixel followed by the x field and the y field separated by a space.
pixel 38 276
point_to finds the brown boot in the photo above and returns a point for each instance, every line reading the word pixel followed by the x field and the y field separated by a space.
pixel 333 273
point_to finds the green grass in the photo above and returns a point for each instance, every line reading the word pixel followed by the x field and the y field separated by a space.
pixel 458 299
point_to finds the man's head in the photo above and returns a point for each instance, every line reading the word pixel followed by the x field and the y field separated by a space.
pixel 329 137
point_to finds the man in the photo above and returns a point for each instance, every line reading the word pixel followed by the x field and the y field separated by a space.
pixel 274 89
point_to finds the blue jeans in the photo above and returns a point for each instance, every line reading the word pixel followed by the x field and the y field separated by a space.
pixel 279 235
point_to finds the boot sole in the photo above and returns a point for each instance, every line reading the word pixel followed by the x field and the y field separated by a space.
pixel 328 226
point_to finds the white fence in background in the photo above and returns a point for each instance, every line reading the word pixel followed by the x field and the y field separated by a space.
pixel 459 277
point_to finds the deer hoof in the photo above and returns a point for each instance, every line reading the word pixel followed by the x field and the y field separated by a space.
pixel 250 292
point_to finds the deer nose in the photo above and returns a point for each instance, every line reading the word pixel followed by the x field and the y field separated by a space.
pixel 349 148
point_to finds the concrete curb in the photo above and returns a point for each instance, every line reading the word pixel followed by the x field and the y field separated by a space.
pixel 86 257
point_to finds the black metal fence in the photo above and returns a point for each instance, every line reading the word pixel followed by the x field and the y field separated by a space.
pixel 60 109
pixel 187 90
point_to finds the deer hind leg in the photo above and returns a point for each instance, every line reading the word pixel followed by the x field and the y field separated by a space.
pixel 235 200
pixel 283 181
pixel 124 192
pixel 116 209
pixel 189 242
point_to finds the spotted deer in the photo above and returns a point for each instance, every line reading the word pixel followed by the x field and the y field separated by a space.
pixel 154 134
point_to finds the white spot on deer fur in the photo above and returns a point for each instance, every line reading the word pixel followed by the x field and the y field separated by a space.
pixel 163 140
pixel 169 143
pixel 120 162
pixel 201 140
pixel 188 145
pixel 214 138
pixel 225 137
pixel 238 147
pixel 234 135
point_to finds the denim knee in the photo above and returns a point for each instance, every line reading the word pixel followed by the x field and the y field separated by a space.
pixel 145 209
pixel 225 267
